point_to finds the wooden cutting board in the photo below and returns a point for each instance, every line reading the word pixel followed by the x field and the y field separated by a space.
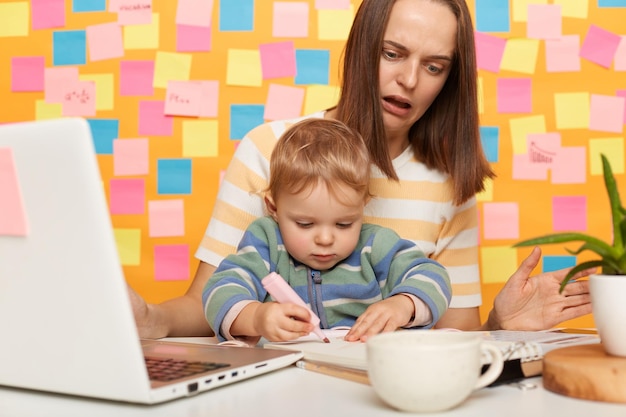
pixel 585 372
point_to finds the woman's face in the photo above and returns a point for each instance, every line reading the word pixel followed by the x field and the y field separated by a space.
pixel 418 47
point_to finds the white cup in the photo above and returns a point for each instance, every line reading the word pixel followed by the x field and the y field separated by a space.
pixel 424 370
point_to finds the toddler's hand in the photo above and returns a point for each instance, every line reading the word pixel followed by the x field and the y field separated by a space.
pixel 383 316
pixel 282 322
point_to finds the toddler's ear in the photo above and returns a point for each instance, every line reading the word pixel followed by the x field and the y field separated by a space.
pixel 271 207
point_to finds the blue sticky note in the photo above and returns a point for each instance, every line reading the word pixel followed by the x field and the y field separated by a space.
pixel 312 66
pixel 69 47
pixel 611 3
pixel 89 6
pixel 104 132
pixel 493 16
pixel 236 15
pixel 174 176
pixel 489 136
pixel 554 263
pixel 245 117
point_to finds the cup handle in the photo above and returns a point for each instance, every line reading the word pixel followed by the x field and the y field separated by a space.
pixel 495 368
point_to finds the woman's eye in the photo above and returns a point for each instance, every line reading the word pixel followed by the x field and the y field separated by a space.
pixel 434 69
pixel 390 54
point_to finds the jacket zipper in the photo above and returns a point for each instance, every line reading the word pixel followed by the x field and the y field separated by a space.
pixel 315 296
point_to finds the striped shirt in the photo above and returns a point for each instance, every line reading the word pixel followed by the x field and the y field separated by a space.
pixel 381 265
pixel 419 207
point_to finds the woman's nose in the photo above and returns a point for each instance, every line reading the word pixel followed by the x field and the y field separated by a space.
pixel 408 74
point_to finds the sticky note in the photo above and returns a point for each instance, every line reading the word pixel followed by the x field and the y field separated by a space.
pixel 514 95
pixel 619 62
pixel 562 55
pixel 578 9
pixel 277 60
pixel 521 9
pixel 55 80
pixel 130 157
pixel 524 169
pixel 498 263
pixel 572 110
pixel 27 73
pixel 236 15
pixel 522 126
pixel 193 38
pixel 47 14
pixel 166 218
pixel 334 25
pixel 104 89
pixel 136 78
pixel 79 99
pixel 194 13
pixel 544 21
pixel 152 119
pixel 543 148
pixel 501 220
pixel 569 213
pixel 174 176
pixel 622 93
pixel 520 55
pixel 607 113
pixel 142 36
pixel 243 68
pixel 332 4
pixel 13 220
pixel 88 6
pixel 133 12
pixel 490 137
pixel 487 193
pixel 128 246
pixel 611 3
pixel 209 95
pixel 200 138
pixel 171 262
pixel 69 47
pixel 283 102
pixel 14 19
pixel 290 19
pixel 104 131
pixel 244 118
pixel 128 196
pixel 600 45
pixel 570 166
pixel 492 16
pixel 489 51
pixel 612 148
pixel 320 97
pixel 554 263
pixel 171 66
pixel 45 111
pixel 182 98
pixel 105 41
pixel 312 66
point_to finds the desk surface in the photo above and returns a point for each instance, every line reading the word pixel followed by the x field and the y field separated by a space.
pixel 297 392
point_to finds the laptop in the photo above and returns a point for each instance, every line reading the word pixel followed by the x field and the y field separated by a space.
pixel 66 323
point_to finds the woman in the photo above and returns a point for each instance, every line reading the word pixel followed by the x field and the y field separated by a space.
pixel 409 88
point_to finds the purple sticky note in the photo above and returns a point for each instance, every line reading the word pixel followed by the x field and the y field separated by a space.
pixel 514 95
pixel 193 38
pixel 171 262
pixel 489 51
pixel 278 60
pixel 600 46
pixel 501 220
pixel 136 78
pixel 12 213
pixel 47 14
pixel 569 213
pixel 128 196
pixel 607 113
pixel 563 54
pixel 153 121
pixel 27 73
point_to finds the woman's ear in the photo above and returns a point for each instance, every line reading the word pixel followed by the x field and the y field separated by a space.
pixel 271 207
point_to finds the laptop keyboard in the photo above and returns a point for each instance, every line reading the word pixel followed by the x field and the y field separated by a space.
pixel 160 369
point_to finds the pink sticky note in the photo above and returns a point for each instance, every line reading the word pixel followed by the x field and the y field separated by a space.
pixel 171 262
pixel 622 93
pixel 570 166
pixel 56 80
pixel 136 78
pixel 501 221
pixel 209 94
pixel 600 46
pixel 153 121
pixel 569 213
pixel 194 12
pixel 290 20
pixel 47 14
pixel 489 51
pixel 332 4
pixel 193 38
pixel 182 98
pixel 166 218
pixel 283 102
pixel 524 169
pixel 130 157
pixel 543 148
pixel 12 214
pixel 105 41
pixel 619 64
pixel 544 21
pixel 607 113
pixel 278 60
pixel 79 99
pixel 134 12
pixel 514 95
pixel 27 73
pixel 563 54
pixel 128 196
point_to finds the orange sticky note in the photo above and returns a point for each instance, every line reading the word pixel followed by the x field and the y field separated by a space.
pixel 12 215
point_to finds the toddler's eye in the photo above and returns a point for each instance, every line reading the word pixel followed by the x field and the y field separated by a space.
pixel 304 225
pixel 344 225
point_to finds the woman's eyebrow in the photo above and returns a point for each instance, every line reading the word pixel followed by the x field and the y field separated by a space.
pixel 405 49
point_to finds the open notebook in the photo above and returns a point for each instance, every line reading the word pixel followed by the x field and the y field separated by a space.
pixel 523 350
pixel 65 318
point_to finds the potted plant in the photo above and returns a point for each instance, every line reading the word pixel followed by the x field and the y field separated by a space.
pixel 608 292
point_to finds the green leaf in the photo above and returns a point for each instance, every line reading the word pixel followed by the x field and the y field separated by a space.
pixel 570 237
pixel 614 200
pixel 577 269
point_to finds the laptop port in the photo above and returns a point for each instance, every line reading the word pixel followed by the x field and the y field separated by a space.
pixel 193 387
pixel 234 373
pixel 221 377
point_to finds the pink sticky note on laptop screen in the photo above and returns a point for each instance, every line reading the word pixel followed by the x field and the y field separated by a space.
pixel 12 215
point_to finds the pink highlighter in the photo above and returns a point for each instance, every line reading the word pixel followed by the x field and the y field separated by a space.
pixel 283 293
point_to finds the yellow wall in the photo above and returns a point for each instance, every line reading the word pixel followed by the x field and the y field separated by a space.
pixel 532 198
